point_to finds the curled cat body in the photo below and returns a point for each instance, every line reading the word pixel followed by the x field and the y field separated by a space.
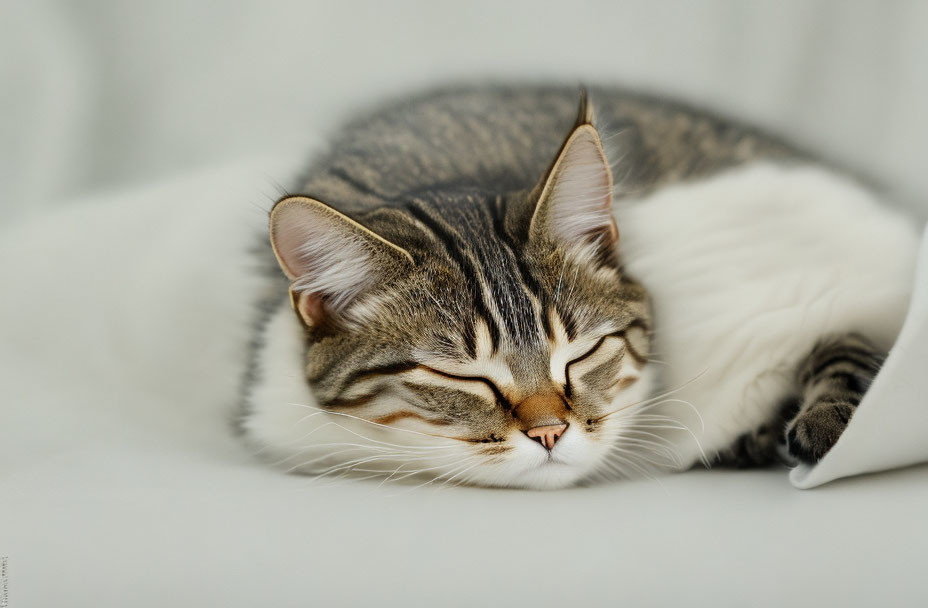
pixel 535 287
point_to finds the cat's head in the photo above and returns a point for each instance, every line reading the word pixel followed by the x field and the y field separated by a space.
pixel 472 336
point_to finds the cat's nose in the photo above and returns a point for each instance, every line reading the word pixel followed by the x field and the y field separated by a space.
pixel 547 435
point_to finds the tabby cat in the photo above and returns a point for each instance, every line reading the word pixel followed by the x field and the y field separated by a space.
pixel 491 287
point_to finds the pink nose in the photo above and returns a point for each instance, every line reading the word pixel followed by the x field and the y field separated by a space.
pixel 547 435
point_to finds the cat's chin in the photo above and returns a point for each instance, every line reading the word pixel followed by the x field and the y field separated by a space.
pixel 547 475
pixel 531 467
pixel 551 475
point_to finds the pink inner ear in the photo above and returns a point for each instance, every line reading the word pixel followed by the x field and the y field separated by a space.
pixel 290 234
pixel 309 306
pixel 321 252
pixel 581 191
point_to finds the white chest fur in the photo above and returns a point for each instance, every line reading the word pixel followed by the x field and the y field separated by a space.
pixel 746 270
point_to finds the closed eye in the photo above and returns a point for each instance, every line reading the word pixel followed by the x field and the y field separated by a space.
pixel 500 398
pixel 586 355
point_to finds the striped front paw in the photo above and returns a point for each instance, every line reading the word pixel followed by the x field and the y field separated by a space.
pixel 817 428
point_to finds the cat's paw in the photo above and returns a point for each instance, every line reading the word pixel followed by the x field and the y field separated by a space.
pixel 816 429
pixel 755 449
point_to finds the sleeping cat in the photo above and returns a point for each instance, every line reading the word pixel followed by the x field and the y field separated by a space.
pixel 489 286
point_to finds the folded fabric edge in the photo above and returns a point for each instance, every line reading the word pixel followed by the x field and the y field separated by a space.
pixel 836 464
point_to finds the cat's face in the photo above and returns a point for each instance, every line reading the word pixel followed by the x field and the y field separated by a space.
pixel 472 337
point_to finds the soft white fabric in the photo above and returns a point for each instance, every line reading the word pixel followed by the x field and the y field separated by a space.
pixel 121 483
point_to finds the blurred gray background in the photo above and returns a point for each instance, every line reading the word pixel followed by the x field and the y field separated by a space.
pixel 103 94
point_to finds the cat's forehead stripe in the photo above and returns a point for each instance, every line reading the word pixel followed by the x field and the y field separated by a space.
pixel 488 266
pixel 455 250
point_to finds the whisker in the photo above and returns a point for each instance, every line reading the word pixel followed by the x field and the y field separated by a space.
pixel 627 460
pixel 641 455
pixel 311 461
pixel 692 407
pixel 386 426
pixel 385 443
pixel 345 469
pixel 448 481
pixel 378 456
pixel 465 463
pixel 642 435
pixel 682 427
pixel 651 447
pixel 351 467
pixel 649 402
pixel 408 473
pixel 639 429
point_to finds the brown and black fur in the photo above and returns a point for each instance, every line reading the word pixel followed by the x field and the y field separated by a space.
pixel 448 177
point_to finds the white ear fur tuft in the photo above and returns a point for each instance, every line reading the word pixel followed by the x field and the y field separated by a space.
pixel 576 203
pixel 328 257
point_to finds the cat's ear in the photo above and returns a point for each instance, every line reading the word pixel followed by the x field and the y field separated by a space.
pixel 575 204
pixel 329 258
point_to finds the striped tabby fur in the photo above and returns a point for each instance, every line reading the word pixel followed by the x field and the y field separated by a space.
pixel 464 310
